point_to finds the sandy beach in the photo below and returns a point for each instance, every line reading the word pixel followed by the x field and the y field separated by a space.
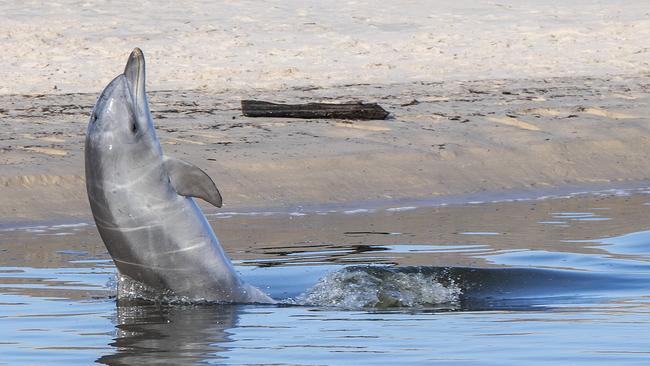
pixel 483 98
pixel 450 232
pixel 77 46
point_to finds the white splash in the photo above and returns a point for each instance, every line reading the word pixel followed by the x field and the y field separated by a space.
pixel 367 288
pixel 130 289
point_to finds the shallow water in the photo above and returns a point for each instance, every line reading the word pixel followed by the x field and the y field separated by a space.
pixel 564 280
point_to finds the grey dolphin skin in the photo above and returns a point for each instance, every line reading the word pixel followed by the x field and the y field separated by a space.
pixel 142 201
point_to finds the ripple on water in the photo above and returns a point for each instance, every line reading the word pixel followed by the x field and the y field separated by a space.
pixel 548 284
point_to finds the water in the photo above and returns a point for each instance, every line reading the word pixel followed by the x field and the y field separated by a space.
pixel 560 280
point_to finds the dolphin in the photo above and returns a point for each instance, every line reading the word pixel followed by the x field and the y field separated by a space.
pixel 142 201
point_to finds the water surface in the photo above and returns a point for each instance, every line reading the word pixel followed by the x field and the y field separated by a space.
pixel 563 280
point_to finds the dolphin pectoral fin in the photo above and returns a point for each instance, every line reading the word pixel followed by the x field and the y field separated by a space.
pixel 189 180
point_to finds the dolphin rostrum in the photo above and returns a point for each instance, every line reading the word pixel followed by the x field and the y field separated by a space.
pixel 142 201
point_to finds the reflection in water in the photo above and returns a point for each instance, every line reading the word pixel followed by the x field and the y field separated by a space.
pixel 174 335
pixel 635 245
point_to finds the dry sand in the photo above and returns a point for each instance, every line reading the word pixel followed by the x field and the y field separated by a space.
pixel 557 95
pixel 76 46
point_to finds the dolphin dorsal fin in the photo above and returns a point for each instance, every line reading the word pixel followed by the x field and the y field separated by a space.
pixel 189 180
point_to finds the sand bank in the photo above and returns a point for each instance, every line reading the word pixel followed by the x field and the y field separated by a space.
pixel 443 139
pixel 560 95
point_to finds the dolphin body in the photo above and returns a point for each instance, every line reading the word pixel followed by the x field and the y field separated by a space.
pixel 142 201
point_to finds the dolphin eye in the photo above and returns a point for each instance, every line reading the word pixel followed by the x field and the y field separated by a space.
pixel 93 117
pixel 134 127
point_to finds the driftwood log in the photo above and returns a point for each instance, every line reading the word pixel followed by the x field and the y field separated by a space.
pixel 256 108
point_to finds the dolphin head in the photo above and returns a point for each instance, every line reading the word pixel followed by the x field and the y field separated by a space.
pixel 120 127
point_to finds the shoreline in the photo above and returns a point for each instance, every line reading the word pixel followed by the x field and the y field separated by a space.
pixel 363 207
pixel 443 139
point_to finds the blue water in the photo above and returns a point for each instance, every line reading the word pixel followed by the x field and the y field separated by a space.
pixel 536 284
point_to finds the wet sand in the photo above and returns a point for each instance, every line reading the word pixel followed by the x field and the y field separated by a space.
pixel 446 138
